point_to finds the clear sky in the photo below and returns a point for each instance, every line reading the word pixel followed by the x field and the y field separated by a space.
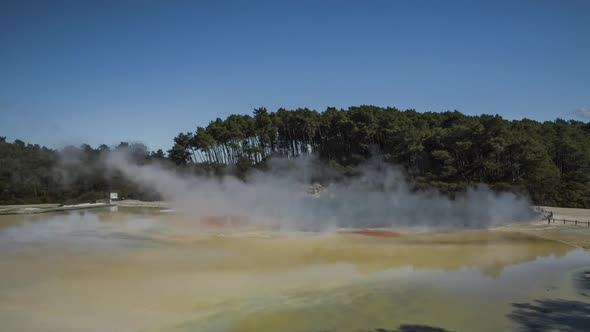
pixel 111 71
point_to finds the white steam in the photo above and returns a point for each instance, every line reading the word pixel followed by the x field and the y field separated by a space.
pixel 583 113
pixel 378 197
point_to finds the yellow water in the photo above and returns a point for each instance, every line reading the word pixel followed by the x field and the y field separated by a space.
pixel 147 271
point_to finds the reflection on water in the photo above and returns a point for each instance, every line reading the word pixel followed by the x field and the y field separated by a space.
pixel 142 270
pixel 552 315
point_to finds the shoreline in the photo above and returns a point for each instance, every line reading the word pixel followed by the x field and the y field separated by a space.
pixel 574 235
pixel 47 208
pixel 24 209
pixel 558 212
pixel 143 204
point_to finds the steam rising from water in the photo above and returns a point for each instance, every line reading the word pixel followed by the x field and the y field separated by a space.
pixel 378 197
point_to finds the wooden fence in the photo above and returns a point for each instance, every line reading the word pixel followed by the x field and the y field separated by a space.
pixel 548 215
pixel 576 222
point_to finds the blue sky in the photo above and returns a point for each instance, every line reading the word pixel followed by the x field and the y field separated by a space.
pixel 111 71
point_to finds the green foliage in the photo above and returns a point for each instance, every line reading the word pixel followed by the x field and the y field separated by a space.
pixel 448 151
pixel 33 174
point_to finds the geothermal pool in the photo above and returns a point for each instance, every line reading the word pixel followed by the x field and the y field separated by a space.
pixel 144 270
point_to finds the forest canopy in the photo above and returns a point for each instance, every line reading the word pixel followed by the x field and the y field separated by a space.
pixel 446 151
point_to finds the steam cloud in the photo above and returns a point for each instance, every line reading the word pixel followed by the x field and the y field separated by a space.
pixel 378 197
pixel 583 113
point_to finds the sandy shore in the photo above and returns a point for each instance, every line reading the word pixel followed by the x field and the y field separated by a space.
pixel 25 206
pixel 576 236
pixel 569 233
pixel 44 208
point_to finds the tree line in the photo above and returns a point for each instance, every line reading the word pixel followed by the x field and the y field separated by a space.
pixel 446 151
pixel 30 173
